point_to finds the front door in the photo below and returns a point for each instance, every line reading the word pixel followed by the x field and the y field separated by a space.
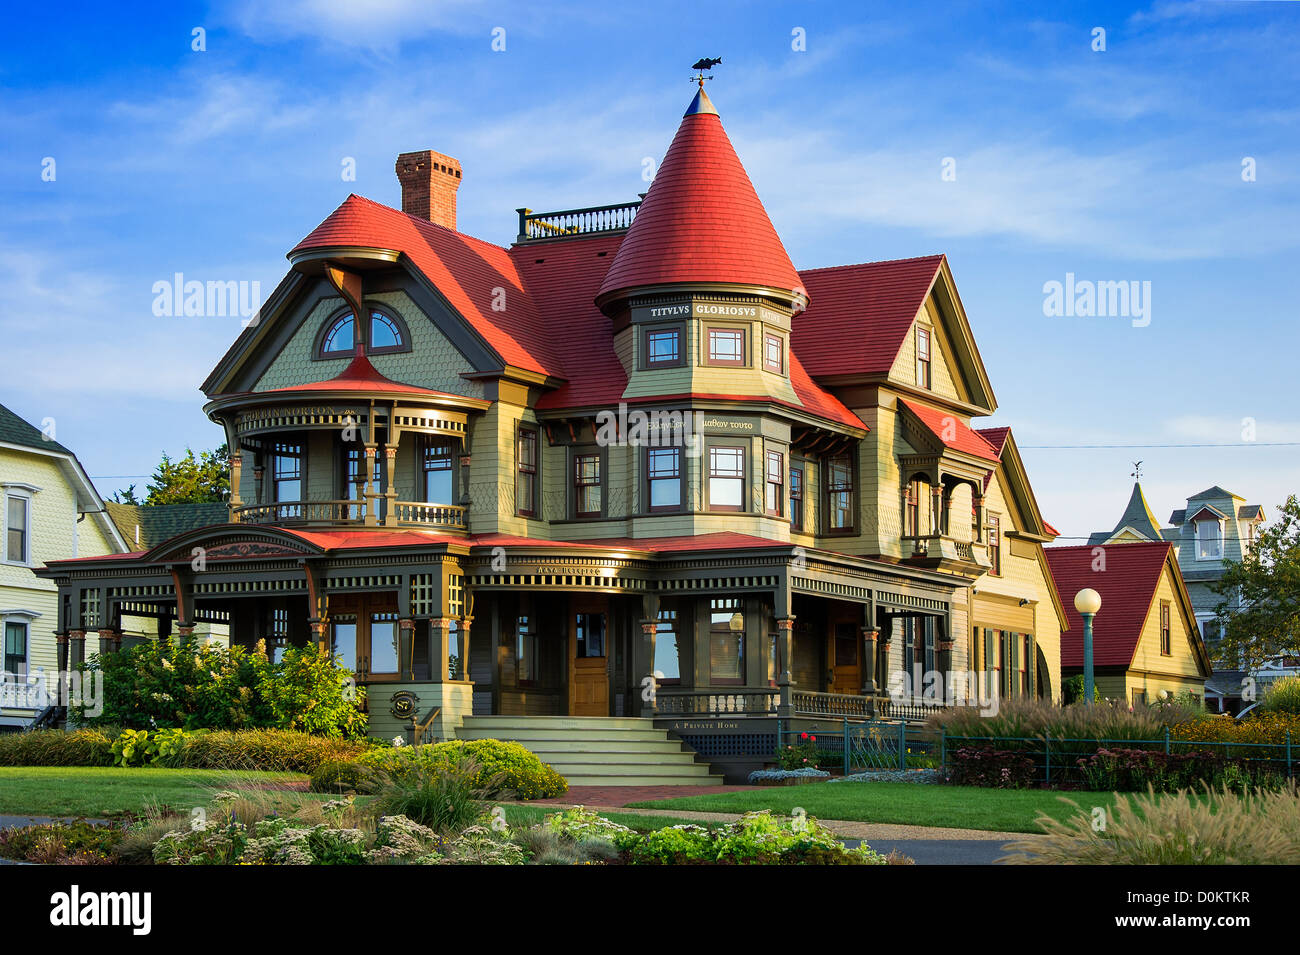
pixel 846 671
pixel 589 660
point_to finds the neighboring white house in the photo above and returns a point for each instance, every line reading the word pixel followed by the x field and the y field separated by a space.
pixel 51 511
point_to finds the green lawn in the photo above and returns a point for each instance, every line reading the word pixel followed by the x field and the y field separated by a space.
pixel 960 807
pixel 96 791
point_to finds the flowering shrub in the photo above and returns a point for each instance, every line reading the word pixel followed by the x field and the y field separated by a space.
pixel 1132 770
pixel 503 767
pixel 581 823
pixel 1001 769
pixel 202 845
pixel 800 755
pixel 163 684
pixel 60 843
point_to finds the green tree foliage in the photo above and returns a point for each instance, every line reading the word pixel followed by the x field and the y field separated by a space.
pixel 194 479
pixel 1267 621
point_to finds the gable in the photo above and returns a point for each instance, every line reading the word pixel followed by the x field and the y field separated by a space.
pixel 280 351
pixel 434 362
pixel 944 376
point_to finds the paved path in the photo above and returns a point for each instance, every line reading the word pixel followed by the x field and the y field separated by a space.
pixel 926 845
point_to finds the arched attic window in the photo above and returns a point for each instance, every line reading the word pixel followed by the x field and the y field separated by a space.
pixel 384 332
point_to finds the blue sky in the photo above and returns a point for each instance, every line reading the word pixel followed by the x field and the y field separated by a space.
pixel 1117 165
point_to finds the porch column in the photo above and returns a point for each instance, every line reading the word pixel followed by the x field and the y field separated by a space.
pixel 186 633
pixel 462 665
pixel 61 639
pixel 1031 666
pixel 236 475
pixel 259 483
pixel 869 637
pixel 439 648
pixel 369 491
pixel 110 640
pixel 979 519
pixel 943 661
pixel 320 633
pixel 390 469
pixel 77 648
pixel 886 636
pixel 784 653
pixel 936 510
pixel 406 649
pixel 646 702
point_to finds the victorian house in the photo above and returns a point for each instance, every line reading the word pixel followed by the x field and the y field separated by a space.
pixel 635 465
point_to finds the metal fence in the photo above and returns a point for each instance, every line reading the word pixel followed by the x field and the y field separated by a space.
pixel 1057 758
pixel 858 745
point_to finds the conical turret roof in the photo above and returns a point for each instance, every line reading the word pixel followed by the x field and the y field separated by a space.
pixel 701 221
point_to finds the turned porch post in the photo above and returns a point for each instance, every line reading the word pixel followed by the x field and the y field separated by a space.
pixel 439 648
pixel 870 635
pixel 236 476
pixel 369 491
pixel 936 510
pixel 406 649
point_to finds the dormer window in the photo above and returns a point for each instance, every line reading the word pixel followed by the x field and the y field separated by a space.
pixel 384 332
pixel 1209 539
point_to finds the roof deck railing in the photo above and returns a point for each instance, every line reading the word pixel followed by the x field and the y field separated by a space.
pixel 594 220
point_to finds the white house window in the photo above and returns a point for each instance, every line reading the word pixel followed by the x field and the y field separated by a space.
pixel 17 529
pixel 15 650
pixel 1209 540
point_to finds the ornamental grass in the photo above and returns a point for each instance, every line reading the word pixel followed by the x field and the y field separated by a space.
pixel 1212 827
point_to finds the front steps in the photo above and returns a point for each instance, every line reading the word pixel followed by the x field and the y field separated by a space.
pixel 597 750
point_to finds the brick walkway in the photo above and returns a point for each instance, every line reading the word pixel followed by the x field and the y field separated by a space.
pixel 616 797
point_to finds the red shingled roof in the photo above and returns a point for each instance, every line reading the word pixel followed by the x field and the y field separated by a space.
pixel 952 431
pixel 1127 587
pixel 996 437
pixel 860 314
pixel 466 270
pixel 361 376
pixel 701 221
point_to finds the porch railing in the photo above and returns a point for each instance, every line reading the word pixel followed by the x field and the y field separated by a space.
pixel 588 221
pixel 418 513
pixel 857 707
pixel 301 512
pixel 437 515
pixel 672 702
pixel 24 695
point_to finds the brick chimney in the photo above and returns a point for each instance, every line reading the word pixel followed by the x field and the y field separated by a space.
pixel 429 183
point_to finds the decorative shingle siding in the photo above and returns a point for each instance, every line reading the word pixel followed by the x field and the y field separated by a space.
pixel 433 362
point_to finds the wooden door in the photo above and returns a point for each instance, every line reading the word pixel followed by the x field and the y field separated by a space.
pixel 845 657
pixel 589 660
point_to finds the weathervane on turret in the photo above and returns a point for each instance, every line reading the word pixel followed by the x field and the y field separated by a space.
pixel 1137 471
pixel 701 66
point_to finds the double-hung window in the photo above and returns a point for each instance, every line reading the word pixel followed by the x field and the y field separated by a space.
pixel 436 470
pixel 1209 540
pixel 15 650
pixel 774 483
pixel 18 519
pixel 526 478
pixel 586 485
pixel 839 492
pixel 923 375
pixel 664 478
pixel 726 479
pixel 796 498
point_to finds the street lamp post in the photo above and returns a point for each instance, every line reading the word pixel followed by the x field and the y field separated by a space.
pixel 1088 602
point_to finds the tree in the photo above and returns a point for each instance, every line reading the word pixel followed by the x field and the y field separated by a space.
pixel 1259 610
pixel 201 479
